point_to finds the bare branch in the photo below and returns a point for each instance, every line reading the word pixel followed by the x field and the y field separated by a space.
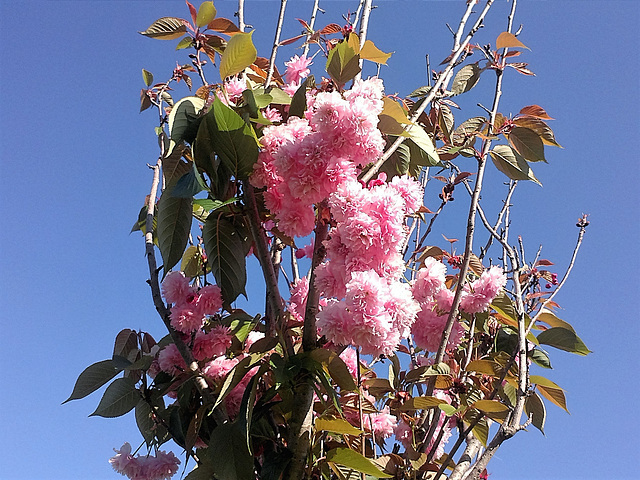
pixel 276 42
pixel 312 23
pixel 240 13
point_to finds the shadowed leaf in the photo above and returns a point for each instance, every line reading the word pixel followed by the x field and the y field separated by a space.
pixel 536 411
pixel 352 459
pixel 527 143
pixel 512 164
pixel 92 378
pixel 466 78
pixel 174 224
pixel 119 398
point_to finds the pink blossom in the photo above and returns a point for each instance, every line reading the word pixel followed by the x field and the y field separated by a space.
pixel 176 288
pixel 350 358
pixel 297 69
pixel 272 114
pixel 410 191
pixel 429 327
pixel 298 299
pixel 478 296
pixel 306 251
pixel 212 344
pixel 429 280
pixel 381 424
pixel 252 338
pixel 170 360
pixel 209 299
pixel 234 88
pixel 404 434
pixel 162 466
pixel 187 317
pixel 217 368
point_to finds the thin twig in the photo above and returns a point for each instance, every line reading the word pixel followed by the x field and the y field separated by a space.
pixel 312 23
pixel 276 43
pixel 241 24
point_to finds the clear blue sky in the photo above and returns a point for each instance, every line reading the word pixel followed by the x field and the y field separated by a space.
pixel 73 177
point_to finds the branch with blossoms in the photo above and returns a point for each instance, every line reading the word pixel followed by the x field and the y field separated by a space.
pixel 335 170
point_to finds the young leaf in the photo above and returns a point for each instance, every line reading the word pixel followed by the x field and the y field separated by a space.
pixel 490 406
pixel 238 55
pixel 92 378
pixel 422 403
pixel 370 52
pixel 206 14
pixel 343 63
pixel 424 142
pixel 166 28
pixel 550 319
pixel 147 77
pixel 335 366
pixel 509 40
pixel 174 224
pixel 466 78
pixel 299 100
pixel 554 395
pixel 539 127
pixel 535 111
pixel 186 42
pixel 527 143
pixel 119 398
pixel 232 139
pixel 223 243
pixel 563 339
pixel 223 25
pixel 512 164
pixel 352 459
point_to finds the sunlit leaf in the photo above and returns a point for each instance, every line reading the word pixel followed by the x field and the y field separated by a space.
pixel 539 127
pixel 174 224
pixel 147 77
pixel 225 252
pixel 527 143
pixel 206 14
pixel 186 42
pixel 370 52
pixel 550 319
pixel 393 109
pixel 336 425
pixel 512 164
pixel 554 395
pixel 352 459
pixel 335 366
pixel 224 25
pixel 487 367
pixel 421 403
pixel 563 339
pixel 238 55
pixel 119 398
pixel 535 111
pixel 424 142
pixel 92 378
pixel 466 78
pixel 490 406
pixel 166 28
pixel 509 40
pixel 343 63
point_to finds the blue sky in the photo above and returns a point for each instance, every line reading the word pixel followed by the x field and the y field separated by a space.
pixel 73 176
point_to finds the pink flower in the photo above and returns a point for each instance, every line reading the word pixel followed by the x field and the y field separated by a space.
pixel 429 280
pixel 429 327
pixel 272 115
pixel 187 317
pixel 162 466
pixel 298 299
pixel 306 251
pixel 176 288
pixel 217 368
pixel 410 191
pixel 350 358
pixel 478 296
pixel 297 69
pixel 212 344
pixel 170 360
pixel 404 434
pixel 234 88
pixel 381 424
pixel 209 299
pixel 252 338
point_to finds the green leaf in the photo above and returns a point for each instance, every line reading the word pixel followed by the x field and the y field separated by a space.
pixel 92 378
pixel 527 143
pixel 147 77
pixel 352 459
pixel 487 367
pixel 466 78
pixel 190 184
pixel 119 398
pixel 504 306
pixel 536 411
pixel 539 127
pixel 550 319
pixel 228 452
pixel 233 378
pixel 481 431
pixel 337 425
pixel 422 403
pixel 174 225
pixel 238 55
pixel 232 139
pixel 563 339
pixel 343 63
pixel 202 472
pixel 166 28
pixel 554 395
pixel 490 406
pixel 336 368
pixel 512 164
pixel 424 142
pixel 223 243
pixel 206 14
pixel 182 121
pixel 299 100
pixel 192 262
pixel 186 42
pixel 449 410
pixel 540 358
pixel 464 134
pixel 145 421
pixel 370 52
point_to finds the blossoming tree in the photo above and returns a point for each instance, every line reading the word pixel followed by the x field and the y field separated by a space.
pixel 390 357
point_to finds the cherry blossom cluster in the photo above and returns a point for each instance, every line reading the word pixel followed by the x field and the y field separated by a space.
pixel 161 466
pixel 190 305
pixel 368 305
pixel 305 160
pixel 436 300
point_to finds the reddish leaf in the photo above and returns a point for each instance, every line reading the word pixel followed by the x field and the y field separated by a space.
pixel 521 67
pixel 541 128
pixel 145 101
pixel 424 209
pixel 461 177
pixel 194 12
pixel 450 240
pixel 291 40
pixel 304 24
pixel 223 25
pixel 535 111
pixel 544 262
pixel 329 29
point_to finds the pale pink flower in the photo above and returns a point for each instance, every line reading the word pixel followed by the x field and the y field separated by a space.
pixel 429 280
pixel 176 288
pixel 404 434
pixel 162 466
pixel 272 114
pixel 234 88
pixel 410 191
pixel 350 358
pixel 217 368
pixel 306 251
pixel 429 327
pixel 298 299
pixel 291 88
pixel 478 296
pixel 252 338
pixel 381 424
pixel 297 69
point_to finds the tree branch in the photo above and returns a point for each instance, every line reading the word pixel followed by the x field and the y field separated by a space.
pixel 276 42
